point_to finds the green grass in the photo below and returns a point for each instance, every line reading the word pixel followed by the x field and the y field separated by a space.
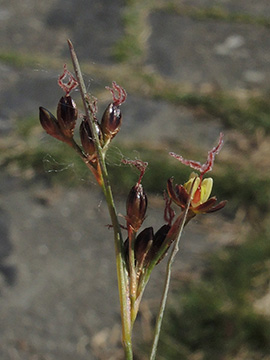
pixel 215 13
pixel 56 164
pixel 42 155
pixel 127 48
pixel 247 116
pixel 159 169
pixel 243 187
pixel 17 60
pixel 215 316
pixel 131 47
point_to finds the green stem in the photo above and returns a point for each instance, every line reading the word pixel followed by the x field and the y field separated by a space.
pixel 167 283
pixel 132 276
pixel 118 240
pixel 81 154
pixel 121 275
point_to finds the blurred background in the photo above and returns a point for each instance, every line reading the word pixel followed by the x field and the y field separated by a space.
pixel 191 70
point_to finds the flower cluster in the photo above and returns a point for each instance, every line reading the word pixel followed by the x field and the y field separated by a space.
pixel 62 126
pixel 196 187
pixel 150 247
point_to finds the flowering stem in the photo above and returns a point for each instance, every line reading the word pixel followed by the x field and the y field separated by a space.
pixel 118 240
pixel 132 275
pixel 167 282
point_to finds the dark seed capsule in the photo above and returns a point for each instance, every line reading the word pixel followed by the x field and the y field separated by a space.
pixel 142 244
pixel 111 122
pixel 136 206
pixel 67 114
pixel 158 241
pixel 87 138
pixel 50 124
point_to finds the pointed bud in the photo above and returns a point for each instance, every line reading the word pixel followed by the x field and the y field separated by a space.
pixel 158 241
pixel 111 122
pixel 142 245
pixel 136 207
pixel 50 124
pixel 177 193
pixel 87 138
pixel 67 114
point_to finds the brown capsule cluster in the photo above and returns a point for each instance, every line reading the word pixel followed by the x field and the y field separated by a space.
pixel 106 130
pixel 148 246
pixel 62 126
pixel 145 249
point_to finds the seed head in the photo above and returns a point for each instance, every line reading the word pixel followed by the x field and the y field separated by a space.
pixel 112 117
pixel 142 246
pixel 87 138
pixel 67 114
pixel 158 241
pixel 136 207
pixel 111 122
pixel 50 124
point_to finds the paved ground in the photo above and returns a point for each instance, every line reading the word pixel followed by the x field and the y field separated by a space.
pixel 57 282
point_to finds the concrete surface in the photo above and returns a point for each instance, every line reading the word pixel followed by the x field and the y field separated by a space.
pixel 58 296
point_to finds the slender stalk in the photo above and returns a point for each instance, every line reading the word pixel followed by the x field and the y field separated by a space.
pixel 122 278
pixel 118 241
pixel 81 154
pixel 167 284
pixel 132 275
pixel 86 103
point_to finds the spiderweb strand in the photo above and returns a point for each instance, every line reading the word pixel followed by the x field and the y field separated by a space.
pixel 71 81
pixel 118 93
pixel 93 105
pixel 208 165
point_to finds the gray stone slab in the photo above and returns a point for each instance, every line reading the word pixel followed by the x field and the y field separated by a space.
pixel 24 90
pixel 250 7
pixel 144 120
pixel 226 55
pixel 93 26
pixel 160 123
pixel 23 27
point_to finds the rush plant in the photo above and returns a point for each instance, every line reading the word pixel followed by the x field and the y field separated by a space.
pixel 137 250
